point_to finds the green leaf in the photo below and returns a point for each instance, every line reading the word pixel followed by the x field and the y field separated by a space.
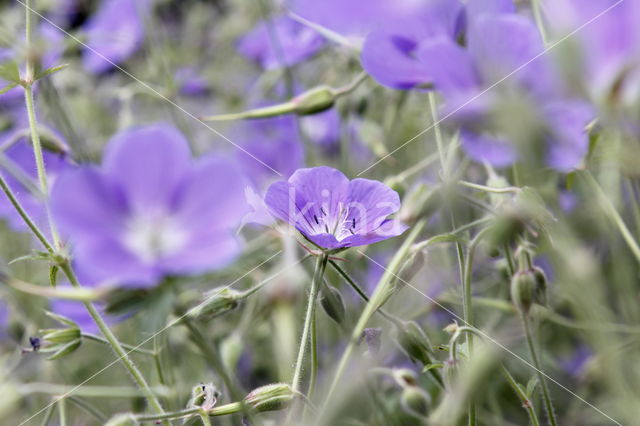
pixel 53 275
pixel 9 71
pixel 7 88
pixel 432 367
pixel 33 256
pixel 61 319
pixel 531 387
pixel 43 73
pixel 66 349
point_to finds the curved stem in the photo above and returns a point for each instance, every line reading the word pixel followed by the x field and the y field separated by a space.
pixel 130 348
pixel 551 416
pixel 526 403
pixel 231 408
pixel 321 263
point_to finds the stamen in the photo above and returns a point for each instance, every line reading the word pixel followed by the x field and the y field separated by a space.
pixel 316 219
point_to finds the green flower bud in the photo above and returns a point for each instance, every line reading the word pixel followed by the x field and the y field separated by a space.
pixel 217 302
pixel 332 303
pixel 270 397
pixel 422 201
pixel 204 395
pixel 415 401
pixel 449 373
pixel 540 291
pixel 314 100
pixel 523 287
pixel 414 342
pixel 505 229
pixel 122 420
pixel 60 341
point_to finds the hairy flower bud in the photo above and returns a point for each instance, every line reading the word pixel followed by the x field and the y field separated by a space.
pixel 60 341
pixel 204 395
pixel 523 287
pixel 270 397
pixel 540 291
pixel 217 302
pixel 332 303
pixel 414 342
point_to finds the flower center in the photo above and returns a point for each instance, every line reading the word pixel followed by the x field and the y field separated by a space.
pixel 154 236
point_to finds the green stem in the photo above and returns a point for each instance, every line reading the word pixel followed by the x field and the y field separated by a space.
pixel 371 308
pixel 223 410
pixel 129 348
pixel 551 416
pixel 526 403
pixel 204 416
pixel 321 264
pixel 615 217
pixel 123 355
pixel 89 409
pixel 485 188
pixel 48 414
pixel 537 14
pixel 62 411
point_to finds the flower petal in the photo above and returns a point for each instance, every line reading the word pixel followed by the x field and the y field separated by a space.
pixel 484 147
pixel 149 163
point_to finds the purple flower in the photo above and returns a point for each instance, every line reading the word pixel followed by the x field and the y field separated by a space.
pixel 150 210
pixel 190 82
pixel 333 212
pixel 114 32
pixel 607 45
pixel 295 43
pixel 389 51
pixel 77 313
pixel 504 57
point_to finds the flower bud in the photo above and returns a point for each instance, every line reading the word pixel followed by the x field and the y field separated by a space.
pixel 415 401
pixel 420 202
pixel 540 291
pixel 523 286
pixel 217 302
pixel 414 342
pixel 449 373
pixel 314 100
pixel 505 229
pixel 204 395
pixel 270 397
pixel 122 420
pixel 332 303
pixel 60 341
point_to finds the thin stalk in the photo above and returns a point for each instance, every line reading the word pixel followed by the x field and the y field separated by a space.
pixel 204 416
pixel 321 264
pixel 62 411
pixel 485 188
pixel 89 409
pixel 371 308
pixel 48 414
pixel 551 416
pixel 613 214
pixel 314 358
pixel 129 348
pixel 222 410
pixel 526 403
pixel 115 344
pixel 537 14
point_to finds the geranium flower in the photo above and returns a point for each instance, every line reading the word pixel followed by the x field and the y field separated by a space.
pixel 503 61
pixel 114 32
pixel 296 43
pixel 389 51
pixel 150 210
pixel 333 212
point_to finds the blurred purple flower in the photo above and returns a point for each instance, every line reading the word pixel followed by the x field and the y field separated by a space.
pixel 389 51
pixel 354 18
pixel 190 82
pixel 577 362
pixel 77 313
pixel 295 43
pixel 506 50
pixel 608 45
pixel 150 210
pixel 333 212
pixel 114 33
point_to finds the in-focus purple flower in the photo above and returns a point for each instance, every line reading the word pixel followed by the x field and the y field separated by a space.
pixel 504 56
pixel 114 33
pixel 333 212
pixel 389 51
pixel 295 43
pixel 150 210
